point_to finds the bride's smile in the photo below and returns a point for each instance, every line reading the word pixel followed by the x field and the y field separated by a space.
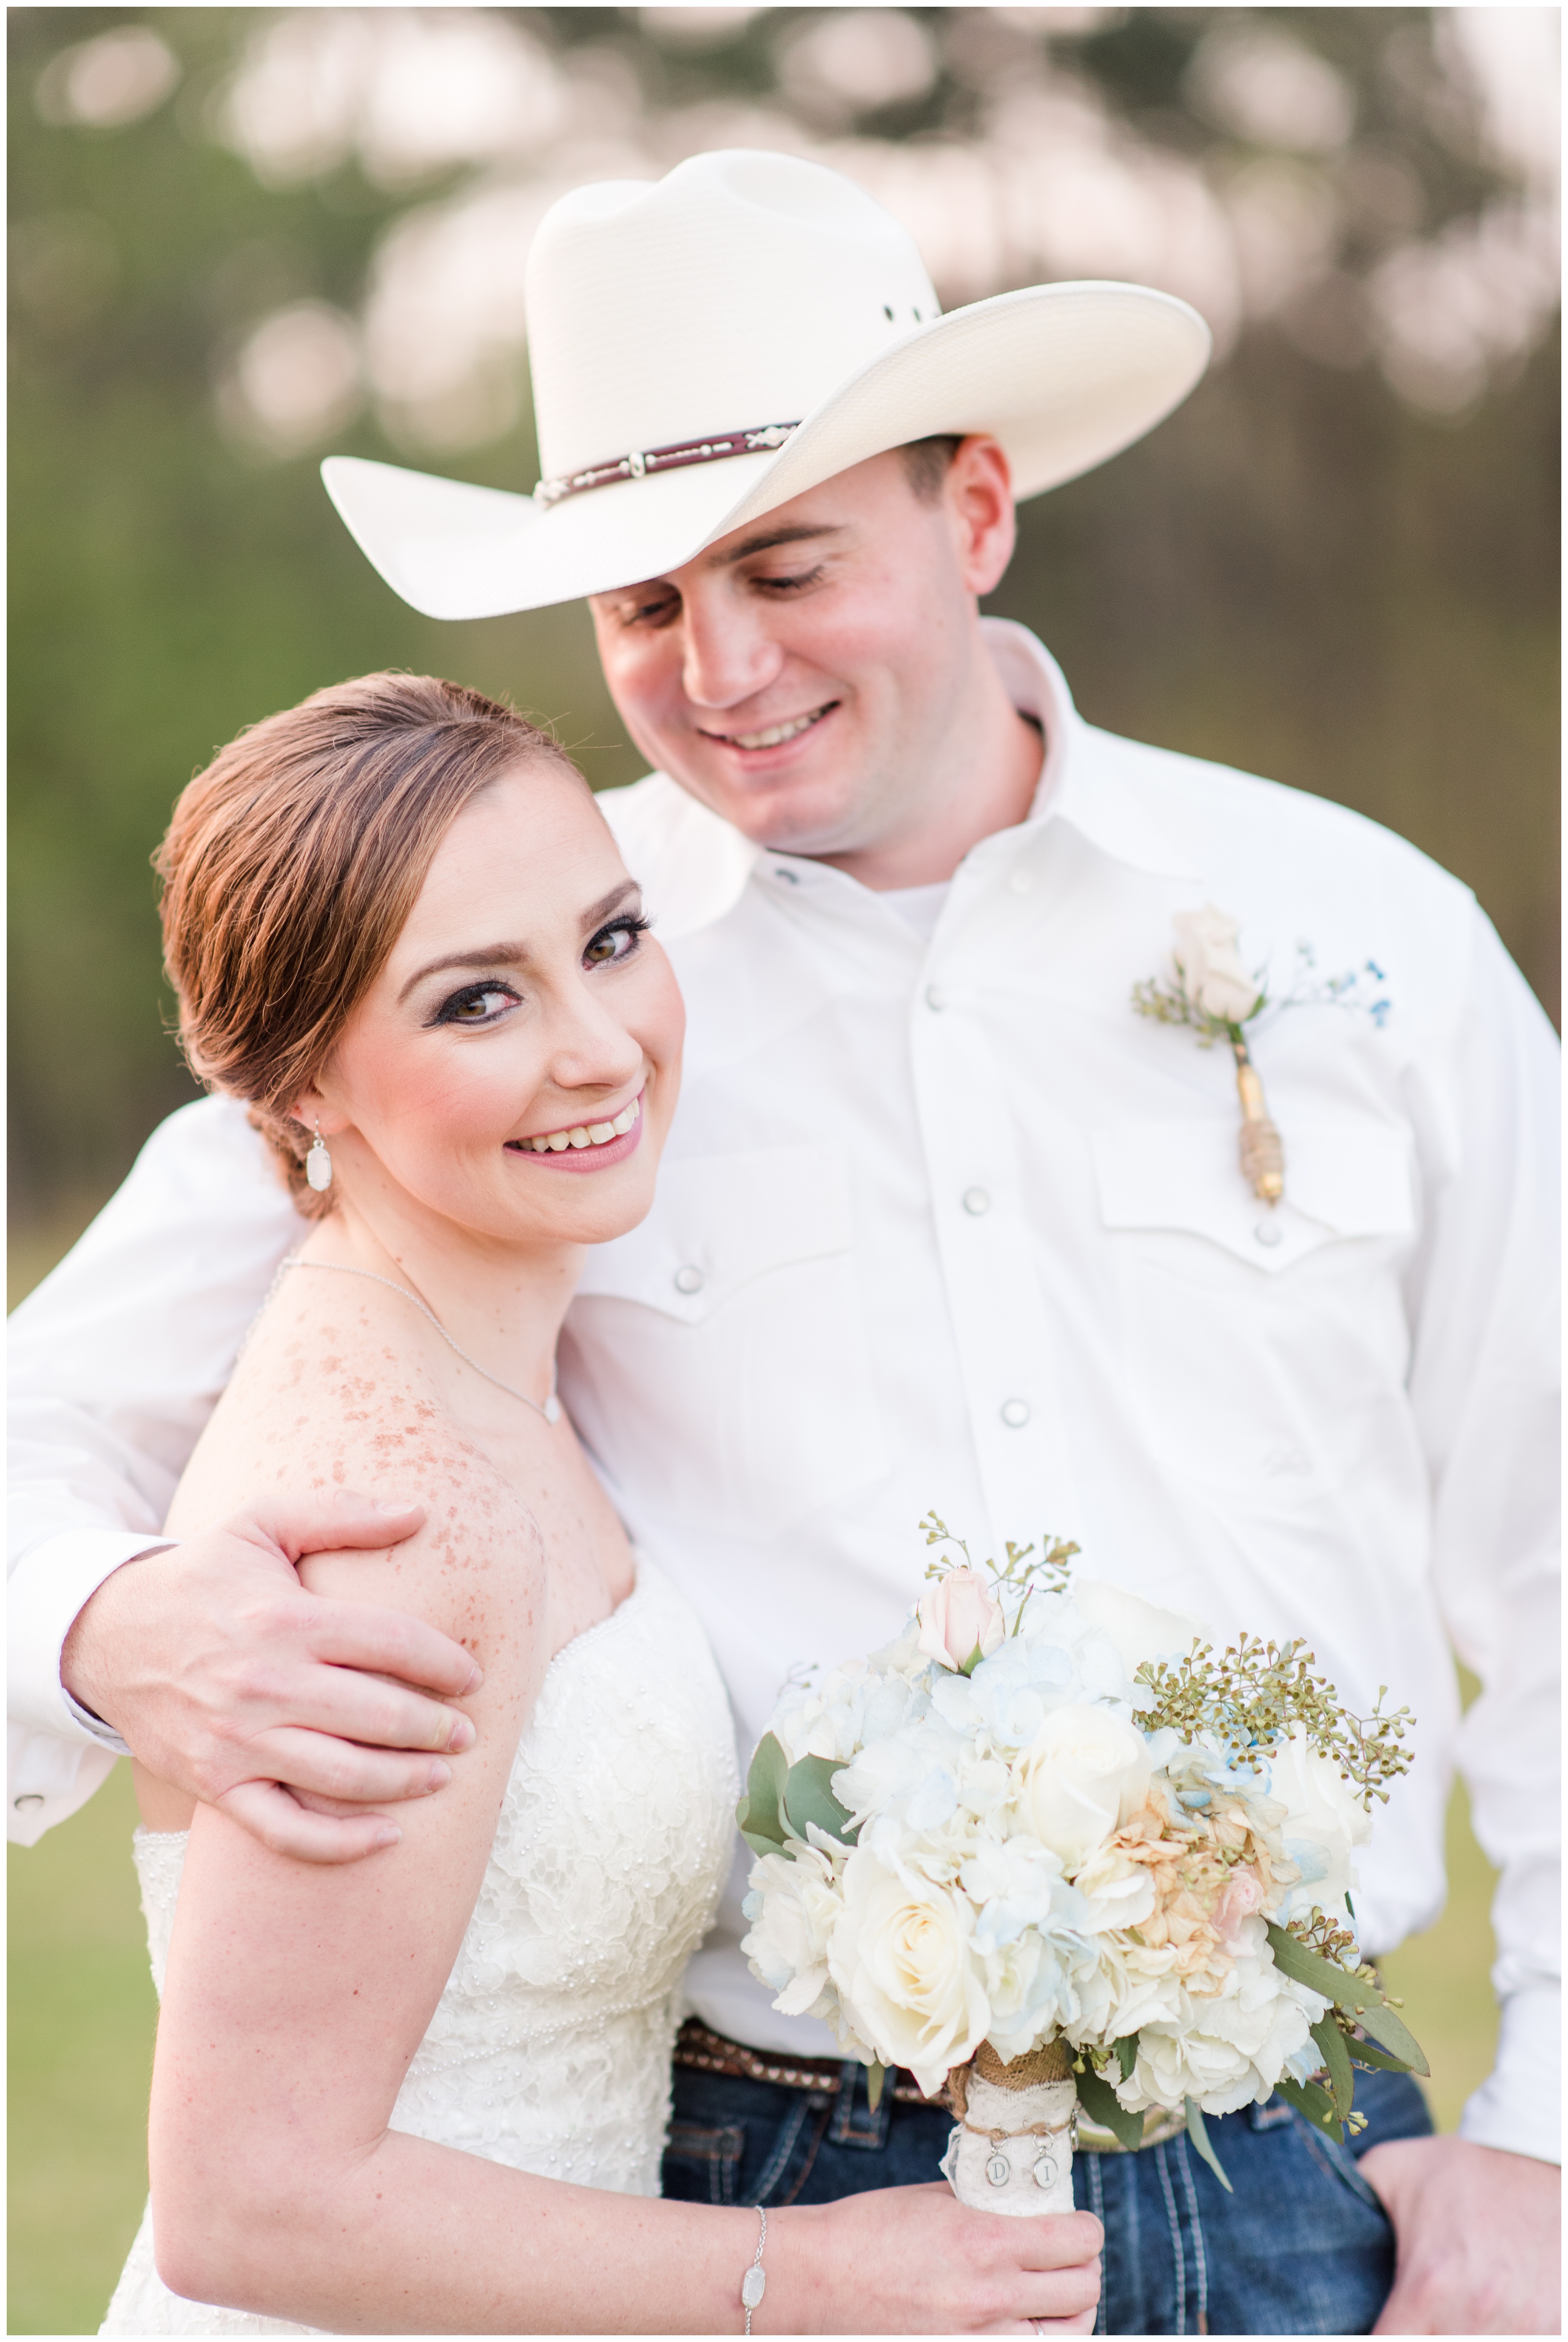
pixel 524 1022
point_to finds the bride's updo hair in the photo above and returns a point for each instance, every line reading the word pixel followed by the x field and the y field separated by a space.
pixel 292 863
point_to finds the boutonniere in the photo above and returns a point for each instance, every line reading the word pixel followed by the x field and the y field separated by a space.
pixel 1216 996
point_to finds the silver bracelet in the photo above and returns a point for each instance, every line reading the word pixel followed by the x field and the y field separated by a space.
pixel 754 2284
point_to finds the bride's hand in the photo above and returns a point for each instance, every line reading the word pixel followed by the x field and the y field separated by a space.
pixel 912 2260
pixel 232 1683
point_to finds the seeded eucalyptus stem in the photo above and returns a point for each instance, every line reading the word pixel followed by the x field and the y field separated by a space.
pixel 1258 1692
pixel 1019 1574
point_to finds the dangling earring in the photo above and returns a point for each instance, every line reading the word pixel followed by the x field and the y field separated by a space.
pixel 318 1163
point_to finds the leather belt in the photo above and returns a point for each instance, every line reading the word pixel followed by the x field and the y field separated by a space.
pixel 705 2052
pixel 702 2051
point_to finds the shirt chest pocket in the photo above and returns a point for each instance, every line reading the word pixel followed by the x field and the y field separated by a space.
pixel 1263 1348
pixel 717 1359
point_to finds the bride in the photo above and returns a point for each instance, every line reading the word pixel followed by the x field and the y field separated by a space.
pixel 427 2092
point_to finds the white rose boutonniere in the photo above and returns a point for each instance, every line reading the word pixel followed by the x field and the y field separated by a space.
pixel 1214 994
pixel 1210 967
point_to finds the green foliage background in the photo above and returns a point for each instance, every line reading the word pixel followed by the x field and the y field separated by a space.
pixel 1297 574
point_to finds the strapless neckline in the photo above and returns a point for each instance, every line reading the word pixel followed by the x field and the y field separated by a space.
pixel 144 1837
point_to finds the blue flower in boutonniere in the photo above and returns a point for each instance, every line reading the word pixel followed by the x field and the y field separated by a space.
pixel 1215 995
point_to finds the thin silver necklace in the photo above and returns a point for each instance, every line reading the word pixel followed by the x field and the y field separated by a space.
pixel 551 1410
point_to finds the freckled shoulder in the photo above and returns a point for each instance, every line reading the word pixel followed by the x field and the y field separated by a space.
pixel 332 1391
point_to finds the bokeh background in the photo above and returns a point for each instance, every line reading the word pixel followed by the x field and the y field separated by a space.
pixel 240 237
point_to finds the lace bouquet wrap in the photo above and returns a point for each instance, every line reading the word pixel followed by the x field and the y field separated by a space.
pixel 1051 1855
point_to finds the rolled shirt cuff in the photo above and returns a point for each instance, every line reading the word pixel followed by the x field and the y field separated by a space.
pixel 1518 2108
pixel 48 1588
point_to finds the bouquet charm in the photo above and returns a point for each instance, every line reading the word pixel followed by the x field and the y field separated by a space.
pixel 1063 1862
pixel 1017 2127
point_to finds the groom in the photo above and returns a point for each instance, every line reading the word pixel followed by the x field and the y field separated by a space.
pixel 941 1222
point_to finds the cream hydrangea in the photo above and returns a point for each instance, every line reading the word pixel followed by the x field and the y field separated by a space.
pixel 793 1904
pixel 1226 2049
pixel 1323 1819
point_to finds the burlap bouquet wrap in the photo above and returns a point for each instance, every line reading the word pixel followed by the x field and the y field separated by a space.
pixel 1010 2150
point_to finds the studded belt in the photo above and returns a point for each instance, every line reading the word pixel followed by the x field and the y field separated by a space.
pixel 702 2051
pixel 705 2052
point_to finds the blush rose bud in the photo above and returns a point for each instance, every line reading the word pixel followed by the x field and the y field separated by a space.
pixel 961 1621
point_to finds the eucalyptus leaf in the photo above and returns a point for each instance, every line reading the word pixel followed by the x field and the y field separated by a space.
pixel 1101 2104
pixel 1386 2024
pixel 758 1811
pixel 1126 2049
pixel 1293 1958
pixel 1335 2053
pixel 1367 2053
pixel 875 2076
pixel 1312 2102
pixel 1197 2131
pixel 808 1799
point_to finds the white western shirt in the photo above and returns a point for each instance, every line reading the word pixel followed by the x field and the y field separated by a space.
pixel 942 1222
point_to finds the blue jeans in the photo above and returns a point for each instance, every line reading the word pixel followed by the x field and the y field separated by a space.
pixel 1303 2247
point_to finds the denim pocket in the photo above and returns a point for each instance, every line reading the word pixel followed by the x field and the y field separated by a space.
pixel 1338 2160
pixel 706 2162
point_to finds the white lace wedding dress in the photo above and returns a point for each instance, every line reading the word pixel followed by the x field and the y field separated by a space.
pixel 550 2048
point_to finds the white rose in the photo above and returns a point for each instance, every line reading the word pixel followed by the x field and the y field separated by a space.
pixel 1138 1629
pixel 1324 1819
pixel 1083 1774
pixel 1211 965
pixel 793 1904
pixel 902 1958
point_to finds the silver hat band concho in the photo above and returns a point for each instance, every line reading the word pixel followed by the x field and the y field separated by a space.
pixel 637 465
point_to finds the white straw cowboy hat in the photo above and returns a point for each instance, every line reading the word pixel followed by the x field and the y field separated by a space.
pixel 709 345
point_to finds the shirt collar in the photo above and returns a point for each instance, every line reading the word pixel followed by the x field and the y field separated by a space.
pixel 1082 781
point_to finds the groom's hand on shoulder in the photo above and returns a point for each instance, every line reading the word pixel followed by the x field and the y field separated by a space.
pixel 291 1713
pixel 1478 2237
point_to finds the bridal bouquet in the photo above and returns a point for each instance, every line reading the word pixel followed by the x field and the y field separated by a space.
pixel 1050 1849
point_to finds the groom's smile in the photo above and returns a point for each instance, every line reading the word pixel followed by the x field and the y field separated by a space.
pixel 816 682
pixel 773 735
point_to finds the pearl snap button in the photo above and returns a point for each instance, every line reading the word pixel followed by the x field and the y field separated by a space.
pixel 976 1201
pixel 688 1280
pixel 1022 882
pixel 1015 1413
pixel 935 996
pixel 1270 1233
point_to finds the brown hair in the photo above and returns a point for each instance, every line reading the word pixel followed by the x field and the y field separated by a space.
pixel 927 463
pixel 293 860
